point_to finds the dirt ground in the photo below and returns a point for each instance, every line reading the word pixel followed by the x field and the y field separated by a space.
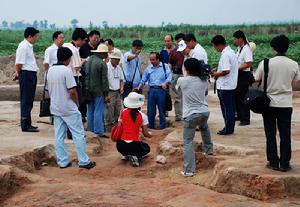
pixel 116 183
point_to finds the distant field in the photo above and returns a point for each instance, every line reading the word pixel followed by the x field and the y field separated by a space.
pixel 153 38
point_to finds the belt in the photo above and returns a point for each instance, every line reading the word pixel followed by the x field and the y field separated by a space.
pixel 114 90
pixel 156 87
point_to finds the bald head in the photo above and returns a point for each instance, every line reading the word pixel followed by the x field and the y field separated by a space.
pixel 168 41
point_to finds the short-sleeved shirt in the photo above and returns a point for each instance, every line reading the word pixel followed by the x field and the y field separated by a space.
pixel 115 75
pixel 50 56
pixel 156 76
pixel 228 62
pixel 25 56
pixel 131 130
pixel 75 59
pixel 199 53
pixel 129 68
pixel 282 72
pixel 244 55
pixel 193 95
pixel 59 81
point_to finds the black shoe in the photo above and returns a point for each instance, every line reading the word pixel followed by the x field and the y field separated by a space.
pixel 34 127
pixel 244 123
pixel 285 168
pixel 68 165
pixel 104 136
pixel 30 129
pixel 272 167
pixel 88 166
pixel 222 132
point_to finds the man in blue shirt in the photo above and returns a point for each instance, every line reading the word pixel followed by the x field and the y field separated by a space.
pixel 165 52
pixel 132 67
pixel 158 78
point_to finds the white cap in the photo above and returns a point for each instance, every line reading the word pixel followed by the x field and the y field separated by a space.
pixel 181 46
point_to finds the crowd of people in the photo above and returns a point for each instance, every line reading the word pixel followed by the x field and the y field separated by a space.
pixel 89 80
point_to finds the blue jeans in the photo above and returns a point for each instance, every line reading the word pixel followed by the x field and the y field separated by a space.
pixel 27 82
pixel 227 102
pixel 157 97
pixel 74 124
pixel 95 115
pixel 190 124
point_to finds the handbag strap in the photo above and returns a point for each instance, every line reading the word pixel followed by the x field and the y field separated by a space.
pixel 164 69
pixel 266 71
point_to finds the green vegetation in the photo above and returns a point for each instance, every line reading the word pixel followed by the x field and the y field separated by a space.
pixel 153 38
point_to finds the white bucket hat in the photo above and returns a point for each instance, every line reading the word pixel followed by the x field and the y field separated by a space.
pixel 134 100
pixel 181 46
pixel 101 48
pixel 115 54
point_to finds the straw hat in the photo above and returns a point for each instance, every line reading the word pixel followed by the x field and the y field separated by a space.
pixel 134 100
pixel 115 54
pixel 101 48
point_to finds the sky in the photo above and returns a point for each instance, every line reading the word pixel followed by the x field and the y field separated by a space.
pixel 151 13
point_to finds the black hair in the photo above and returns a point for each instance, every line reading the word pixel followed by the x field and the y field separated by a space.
pixel 157 55
pixel 56 34
pixel 240 34
pixel 179 36
pixel 134 113
pixel 137 43
pixel 101 41
pixel 79 33
pixel 218 40
pixel 30 31
pixel 192 65
pixel 170 35
pixel 93 32
pixel 110 42
pixel 190 37
pixel 280 44
pixel 63 54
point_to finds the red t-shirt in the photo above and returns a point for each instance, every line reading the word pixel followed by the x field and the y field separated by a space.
pixel 131 130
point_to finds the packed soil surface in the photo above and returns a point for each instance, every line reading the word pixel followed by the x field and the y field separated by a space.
pixel 114 182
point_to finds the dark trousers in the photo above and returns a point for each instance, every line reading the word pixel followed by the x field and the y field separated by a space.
pixel 278 118
pixel 27 82
pixel 135 148
pixel 79 87
pixel 243 112
pixel 157 97
pixel 227 102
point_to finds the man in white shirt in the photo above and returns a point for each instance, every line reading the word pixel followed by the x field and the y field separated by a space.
pixel 78 39
pixel 283 76
pixel 245 59
pixel 226 74
pixel 197 51
pixel 116 88
pixel 26 70
pixel 50 57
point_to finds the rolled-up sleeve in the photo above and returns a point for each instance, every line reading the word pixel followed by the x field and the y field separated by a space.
pixel 21 55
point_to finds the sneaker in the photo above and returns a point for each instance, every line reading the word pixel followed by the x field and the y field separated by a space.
pixel 88 166
pixel 68 165
pixel 125 158
pixel 135 161
pixel 187 174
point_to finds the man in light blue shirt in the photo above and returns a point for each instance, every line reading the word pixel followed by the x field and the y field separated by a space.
pixel 158 78
pixel 132 67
